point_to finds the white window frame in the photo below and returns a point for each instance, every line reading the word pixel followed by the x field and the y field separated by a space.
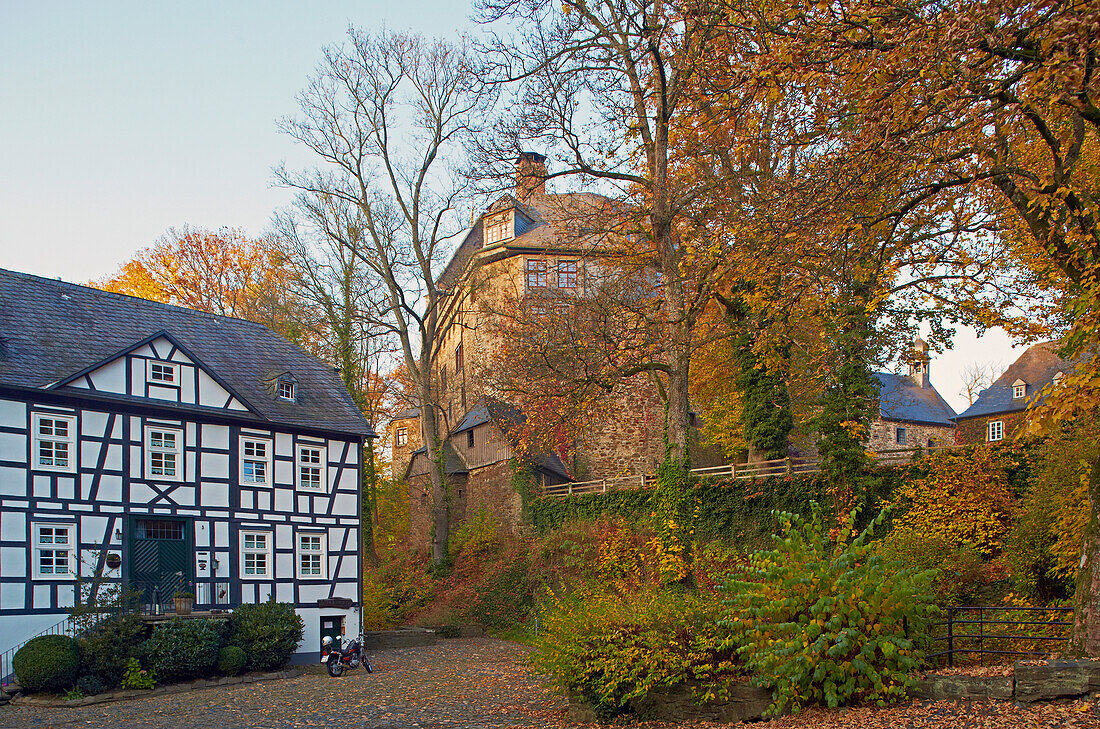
pixel 995 430
pixel 901 435
pixel 498 228
pixel 252 550
pixel 1018 391
pixel 252 458
pixel 318 553
pixel 170 366
pixel 38 439
pixel 291 391
pixel 152 449
pixel 321 466
pixel 38 547
pixel 401 436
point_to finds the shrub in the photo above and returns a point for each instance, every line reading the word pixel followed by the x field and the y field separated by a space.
pixel 477 537
pixel 611 647
pixel 90 685
pixel 826 620
pixel 183 649
pixel 108 645
pixel 137 677
pixel 231 660
pixel 268 632
pixel 47 663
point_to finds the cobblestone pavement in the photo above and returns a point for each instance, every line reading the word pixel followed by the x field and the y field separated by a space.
pixel 457 684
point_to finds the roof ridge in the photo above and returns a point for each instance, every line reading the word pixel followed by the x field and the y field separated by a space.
pixel 124 297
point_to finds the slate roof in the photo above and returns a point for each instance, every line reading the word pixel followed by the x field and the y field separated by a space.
pixel 52 330
pixel 900 398
pixel 454 465
pixel 503 414
pixel 1036 367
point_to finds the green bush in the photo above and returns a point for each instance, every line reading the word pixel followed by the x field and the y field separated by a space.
pixel 825 620
pixel 268 632
pixel 231 660
pixel 90 685
pixel 47 663
pixel 137 677
pixel 183 649
pixel 611 647
pixel 108 645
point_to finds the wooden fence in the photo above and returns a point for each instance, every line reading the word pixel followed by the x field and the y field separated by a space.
pixel 760 469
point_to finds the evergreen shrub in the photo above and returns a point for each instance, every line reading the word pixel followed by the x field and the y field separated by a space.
pixel 108 645
pixel 90 685
pixel 231 660
pixel 268 632
pixel 183 649
pixel 47 663
pixel 826 620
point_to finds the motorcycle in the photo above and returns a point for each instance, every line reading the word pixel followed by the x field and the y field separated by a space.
pixel 340 658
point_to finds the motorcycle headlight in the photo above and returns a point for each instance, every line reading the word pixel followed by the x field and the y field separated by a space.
pixel 327 641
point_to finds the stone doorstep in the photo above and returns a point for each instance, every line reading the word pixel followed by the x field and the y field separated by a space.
pixel 963 687
pixel 174 688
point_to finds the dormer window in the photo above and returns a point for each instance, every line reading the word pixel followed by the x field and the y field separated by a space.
pixel 286 391
pixel 498 228
pixel 162 373
pixel 1019 389
pixel 286 387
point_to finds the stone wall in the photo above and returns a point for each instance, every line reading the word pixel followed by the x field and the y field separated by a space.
pixel 401 455
pixel 917 435
pixel 976 430
pixel 420 508
pixel 490 487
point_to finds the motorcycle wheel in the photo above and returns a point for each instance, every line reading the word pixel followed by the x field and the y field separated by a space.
pixel 335 667
pixel 366 665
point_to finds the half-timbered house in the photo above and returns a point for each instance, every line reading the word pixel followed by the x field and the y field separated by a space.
pixel 167 448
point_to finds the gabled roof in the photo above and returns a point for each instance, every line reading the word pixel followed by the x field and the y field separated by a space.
pixel 488 409
pixel 900 398
pixel 454 465
pixel 1036 367
pixel 53 330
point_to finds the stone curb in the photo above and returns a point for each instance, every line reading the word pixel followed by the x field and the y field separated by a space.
pixel 175 688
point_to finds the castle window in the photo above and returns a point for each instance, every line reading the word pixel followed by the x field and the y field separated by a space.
pixel 312 556
pixel 312 468
pixel 470 438
pixel 255 555
pixel 53 443
pixel 567 274
pixel 162 373
pixel 402 437
pixel 536 273
pixel 164 454
pixel 54 550
pixel 1018 391
pixel 458 359
pixel 255 461
pixel 497 228
pixel 901 435
pixel 996 430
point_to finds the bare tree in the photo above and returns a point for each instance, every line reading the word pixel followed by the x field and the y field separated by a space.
pixel 387 115
pixel 977 376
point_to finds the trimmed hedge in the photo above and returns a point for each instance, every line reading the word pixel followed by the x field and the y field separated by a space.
pixel 268 633
pixel 47 663
pixel 105 649
pixel 231 660
pixel 183 649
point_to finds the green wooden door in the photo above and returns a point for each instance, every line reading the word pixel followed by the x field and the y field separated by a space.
pixel 160 558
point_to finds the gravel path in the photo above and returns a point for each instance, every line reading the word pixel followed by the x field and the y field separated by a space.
pixel 471 684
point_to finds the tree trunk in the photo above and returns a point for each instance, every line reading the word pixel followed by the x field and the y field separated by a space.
pixel 1086 616
pixel 433 445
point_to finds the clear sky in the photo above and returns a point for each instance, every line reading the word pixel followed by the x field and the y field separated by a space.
pixel 119 120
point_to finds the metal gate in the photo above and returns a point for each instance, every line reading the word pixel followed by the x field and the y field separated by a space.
pixel 160 558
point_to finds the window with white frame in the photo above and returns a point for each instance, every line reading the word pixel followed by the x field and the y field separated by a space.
pixel 53 442
pixel 497 228
pixel 54 550
pixel 163 453
pixel 162 373
pixel 1018 391
pixel 255 555
pixel 286 390
pixel 312 468
pixel 996 430
pixel 312 555
pixel 901 435
pixel 255 460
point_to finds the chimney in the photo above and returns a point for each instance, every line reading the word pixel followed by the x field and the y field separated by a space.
pixel 530 175
pixel 919 363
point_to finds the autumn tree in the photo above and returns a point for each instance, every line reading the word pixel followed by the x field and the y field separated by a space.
pixel 220 272
pixel 387 115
